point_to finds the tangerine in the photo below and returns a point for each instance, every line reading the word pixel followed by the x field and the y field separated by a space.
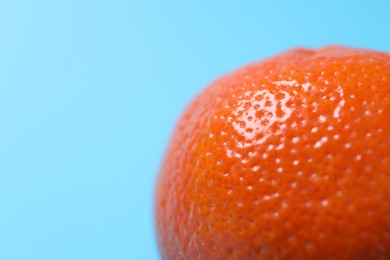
pixel 288 158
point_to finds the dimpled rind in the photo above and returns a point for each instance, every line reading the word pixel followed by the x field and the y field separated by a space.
pixel 288 158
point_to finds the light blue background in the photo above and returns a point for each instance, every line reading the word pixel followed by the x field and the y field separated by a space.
pixel 90 90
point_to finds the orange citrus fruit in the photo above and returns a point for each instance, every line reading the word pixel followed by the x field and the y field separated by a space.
pixel 288 158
